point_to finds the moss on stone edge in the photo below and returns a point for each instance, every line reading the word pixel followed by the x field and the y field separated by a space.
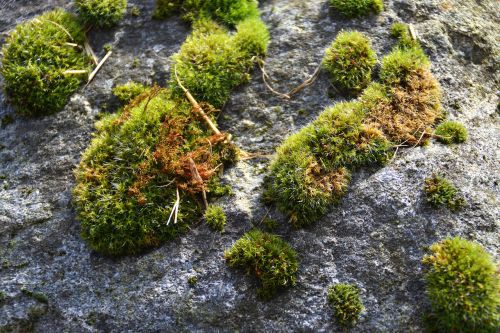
pixel 349 61
pixel 312 168
pixel 346 303
pixel 215 218
pixel 463 286
pixel 212 71
pixel 227 12
pixel 441 192
pixel 450 132
pixel 267 256
pixel 101 13
pixel 36 56
pixel 355 8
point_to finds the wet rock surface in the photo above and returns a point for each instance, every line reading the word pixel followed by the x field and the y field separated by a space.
pixel 375 237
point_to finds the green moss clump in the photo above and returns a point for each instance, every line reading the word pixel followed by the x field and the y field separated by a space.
pixel 346 303
pixel 401 32
pixel 355 8
pixel 128 91
pixel 270 258
pixel 228 12
pixel 211 63
pixel 215 218
pixel 399 65
pixel 36 56
pixel 127 180
pixel 450 132
pixel 312 167
pixel 252 36
pixel 349 61
pixel 463 286
pixel 441 192
pixel 38 296
pixel 101 13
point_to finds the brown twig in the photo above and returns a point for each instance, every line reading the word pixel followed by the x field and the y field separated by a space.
pixel 261 63
pixel 306 83
pixel 196 107
pixel 90 52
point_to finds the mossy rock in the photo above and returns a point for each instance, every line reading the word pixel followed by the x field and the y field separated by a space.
pixel 127 181
pixel 355 8
pixel 269 257
pixel 349 61
pixel 101 13
pixel 36 57
pixel 463 285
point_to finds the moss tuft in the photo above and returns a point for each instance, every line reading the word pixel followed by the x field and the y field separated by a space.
pixel 215 218
pixel 211 63
pixel 312 167
pixel 355 8
pixel 399 65
pixel 401 32
pixel 228 12
pixel 450 132
pixel 252 37
pixel 36 56
pixel 349 61
pixel 346 303
pixel 101 13
pixel 38 296
pixel 128 178
pixel 267 256
pixel 128 91
pixel 441 192
pixel 192 280
pixel 463 286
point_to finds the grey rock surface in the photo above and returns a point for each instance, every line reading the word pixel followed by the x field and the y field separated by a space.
pixel 375 237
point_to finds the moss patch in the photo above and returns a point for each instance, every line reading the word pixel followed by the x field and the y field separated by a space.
pixel 212 61
pixel 267 256
pixel 346 303
pixel 349 61
pixel 128 177
pixel 354 8
pixel 228 12
pixel 128 91
pixel 215 218
pixel 463 287
pixel 37 55
pixel 101 13
pixel 450 132
pixel 441 192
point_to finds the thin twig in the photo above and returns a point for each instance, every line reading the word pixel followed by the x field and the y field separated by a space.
pixel 90 52
pixel 175 208
pixel 60 27
pixel 413 34
pixel 75 71
pixel 306 83
pixel 93 74
pixel 197 108
pixel 261 63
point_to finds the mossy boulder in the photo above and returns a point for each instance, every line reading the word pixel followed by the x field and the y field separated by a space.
pixel 37 59
pixel 463 285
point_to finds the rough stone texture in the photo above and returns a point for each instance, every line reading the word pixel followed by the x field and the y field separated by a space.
pixel 374 238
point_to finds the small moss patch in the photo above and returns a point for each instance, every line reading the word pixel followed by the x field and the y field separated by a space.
pixel 38 296
pixel 346 303
pixel 441 192
pixel 267 256
pixel 211 63
pixel 36 58
pixel 450 132
pixel 355 8
pixel 215 218
pixel 463 286
pixel 349 61
pixel 128 91
pixel 228 12
pixel 101 13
